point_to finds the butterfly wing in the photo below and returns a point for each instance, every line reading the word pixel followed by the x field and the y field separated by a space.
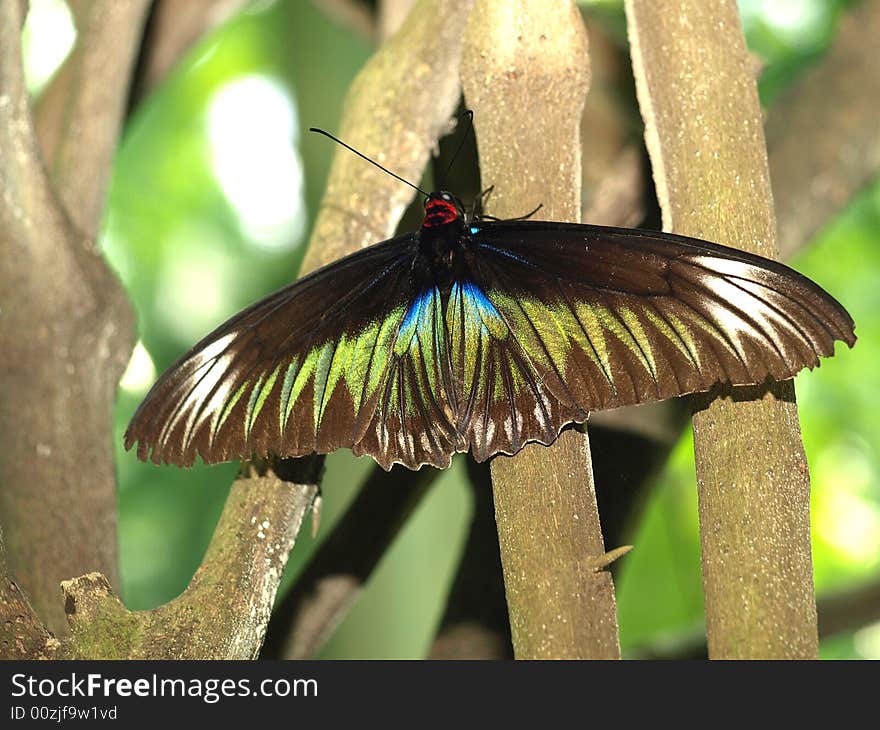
pixel 596 317
pixel 302 371
pixel 543 323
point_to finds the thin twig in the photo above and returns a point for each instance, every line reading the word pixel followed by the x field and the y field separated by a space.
pixel 173 29
pixel 475 623
pixel 336 574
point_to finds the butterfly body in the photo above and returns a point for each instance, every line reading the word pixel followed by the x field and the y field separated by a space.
pixel 481 335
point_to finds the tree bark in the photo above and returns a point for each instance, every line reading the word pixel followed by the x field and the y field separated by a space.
pixel 705 136
pixel 525 75
pixel 66 335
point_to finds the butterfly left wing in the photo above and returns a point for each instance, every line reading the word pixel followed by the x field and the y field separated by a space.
pixel 301 371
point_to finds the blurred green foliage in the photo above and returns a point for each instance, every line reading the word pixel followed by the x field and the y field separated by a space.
pixel 184 252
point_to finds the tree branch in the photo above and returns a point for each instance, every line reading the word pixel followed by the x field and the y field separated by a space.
pixel 80 146
pixel 475 623
pixel 525 75
pixel 613 176
pixel 66 335
pixel 172 30
pixel 224 612
pixel 704 134
pixel 823 136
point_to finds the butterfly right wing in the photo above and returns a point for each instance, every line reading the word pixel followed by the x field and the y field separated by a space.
pixel 304 371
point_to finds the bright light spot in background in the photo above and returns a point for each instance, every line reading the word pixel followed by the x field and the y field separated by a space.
pixel 141 371
pixel 867 641
pixel 797 21
pixel 847 516
pixel 197 274
pixel 47 38
pixel 252 129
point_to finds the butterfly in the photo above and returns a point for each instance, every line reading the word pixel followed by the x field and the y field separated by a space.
pixel 482 335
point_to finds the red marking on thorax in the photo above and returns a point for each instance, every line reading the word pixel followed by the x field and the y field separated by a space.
pixel 438 212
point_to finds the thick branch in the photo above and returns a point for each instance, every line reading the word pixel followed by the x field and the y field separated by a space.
pixel 823 135
pixel 705 137
pixel 66 336
pixel 525 75
pixel 224 612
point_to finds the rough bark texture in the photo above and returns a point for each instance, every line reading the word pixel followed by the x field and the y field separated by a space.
pixel 525 74
pixel 823 135
pixel 224 612
pixel 705 136
pixel 67 333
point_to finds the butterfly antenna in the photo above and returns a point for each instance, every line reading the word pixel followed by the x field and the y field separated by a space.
pixel 470 125
pixel 372 162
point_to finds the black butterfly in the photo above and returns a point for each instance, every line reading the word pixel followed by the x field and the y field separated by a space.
pixel 480 335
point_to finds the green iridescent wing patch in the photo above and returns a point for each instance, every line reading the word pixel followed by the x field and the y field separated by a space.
pixel 516 330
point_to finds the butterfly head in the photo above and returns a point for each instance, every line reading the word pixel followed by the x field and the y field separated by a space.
pixel 442 208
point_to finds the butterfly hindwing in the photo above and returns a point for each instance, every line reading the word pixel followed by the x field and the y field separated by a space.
pixel 413 421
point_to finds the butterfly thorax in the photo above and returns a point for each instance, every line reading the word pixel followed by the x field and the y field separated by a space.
pixel 441 236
